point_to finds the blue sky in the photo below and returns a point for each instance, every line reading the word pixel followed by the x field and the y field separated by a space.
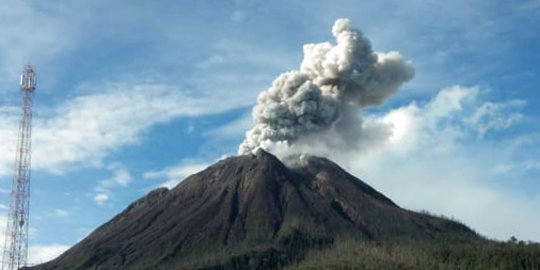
pixel 133 95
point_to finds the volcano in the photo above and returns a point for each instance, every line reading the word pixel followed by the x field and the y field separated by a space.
pixel 254 212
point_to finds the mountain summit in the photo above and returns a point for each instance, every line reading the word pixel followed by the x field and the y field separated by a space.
pixel 253 212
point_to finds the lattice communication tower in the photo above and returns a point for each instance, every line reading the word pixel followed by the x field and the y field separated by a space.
pixel 16 241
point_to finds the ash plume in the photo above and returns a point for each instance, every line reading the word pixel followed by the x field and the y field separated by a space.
pixel 317 108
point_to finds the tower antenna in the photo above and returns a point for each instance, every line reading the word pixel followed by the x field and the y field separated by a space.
pixel 16 241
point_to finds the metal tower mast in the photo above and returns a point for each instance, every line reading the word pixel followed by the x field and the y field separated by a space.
pixel 16 242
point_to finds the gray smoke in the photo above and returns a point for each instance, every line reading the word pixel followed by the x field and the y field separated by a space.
pixel 316 109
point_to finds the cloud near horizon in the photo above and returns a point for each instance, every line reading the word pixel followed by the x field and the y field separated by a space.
pixel 176 173
pixel 36 253
pixel 437 158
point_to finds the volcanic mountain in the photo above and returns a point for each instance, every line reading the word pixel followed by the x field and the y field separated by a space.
pixel 253 212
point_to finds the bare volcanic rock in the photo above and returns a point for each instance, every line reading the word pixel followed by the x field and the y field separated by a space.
pixel 250 212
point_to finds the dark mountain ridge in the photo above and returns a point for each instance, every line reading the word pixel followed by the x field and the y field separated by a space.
pixel 253 212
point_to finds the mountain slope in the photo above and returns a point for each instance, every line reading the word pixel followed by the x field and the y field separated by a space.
pixel 252 212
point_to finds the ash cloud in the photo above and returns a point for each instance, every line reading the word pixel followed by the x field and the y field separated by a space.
pixel 317 109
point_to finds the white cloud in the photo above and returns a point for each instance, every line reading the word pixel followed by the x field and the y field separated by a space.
pixel 495 116
pixel 84 130
pixel 61 212
pixel 8 128
pixel 121 177
pixel 175 174
pixel 3 223
pixel 517 167
pixel 454 113
pixel 101 198
pixel 103 191
pixel 43 253
pixel 36 253
pixel 233 129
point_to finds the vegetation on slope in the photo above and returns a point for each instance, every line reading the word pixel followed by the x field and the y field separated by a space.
pixel 480 255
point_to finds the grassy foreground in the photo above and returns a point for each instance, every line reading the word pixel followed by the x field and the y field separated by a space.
pixel 486 255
